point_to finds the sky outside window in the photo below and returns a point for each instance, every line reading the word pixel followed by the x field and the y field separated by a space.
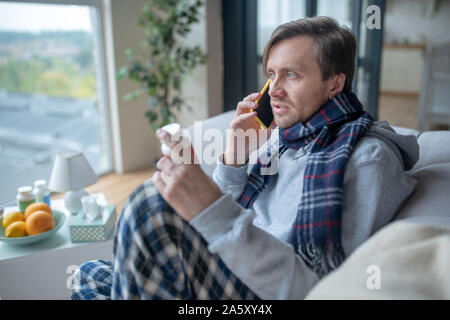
pixel 43 17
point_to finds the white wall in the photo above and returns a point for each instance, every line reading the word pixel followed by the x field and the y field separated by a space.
pixel 401 70
pixel 413 21
pixel 410 22
pixel 134 143
pixel 214 40
pixel 203 89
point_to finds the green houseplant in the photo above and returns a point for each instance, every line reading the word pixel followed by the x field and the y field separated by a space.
pixel 165 23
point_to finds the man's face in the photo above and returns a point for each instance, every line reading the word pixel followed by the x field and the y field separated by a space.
pixel 297 90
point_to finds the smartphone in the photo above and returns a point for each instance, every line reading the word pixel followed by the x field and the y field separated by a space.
pixel 264 113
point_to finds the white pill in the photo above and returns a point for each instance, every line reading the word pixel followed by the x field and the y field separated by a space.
pixel 173 129
pixel 165 149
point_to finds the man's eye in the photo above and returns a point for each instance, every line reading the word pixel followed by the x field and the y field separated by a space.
pixel 291 75
pixel 271 75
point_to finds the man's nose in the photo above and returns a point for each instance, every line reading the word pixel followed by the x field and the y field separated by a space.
pixel 276 90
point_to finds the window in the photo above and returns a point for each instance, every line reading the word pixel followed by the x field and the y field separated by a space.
pixel 341 11
pixel 273 13
pixel 270 15
pixel 51 89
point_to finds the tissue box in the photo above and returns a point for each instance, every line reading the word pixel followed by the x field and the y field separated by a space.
pixel 98 230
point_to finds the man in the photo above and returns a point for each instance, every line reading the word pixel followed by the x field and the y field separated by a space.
pixel 248 236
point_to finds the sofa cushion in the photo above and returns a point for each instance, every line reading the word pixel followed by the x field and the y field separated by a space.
pixel 403 260
pixel 430 198
pixel 434 148
pixel 220 122
pixel 406 131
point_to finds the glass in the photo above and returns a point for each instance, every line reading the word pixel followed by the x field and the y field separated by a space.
pixel 440 98
pixel 270 15
pixel 50 91
pixel 340 10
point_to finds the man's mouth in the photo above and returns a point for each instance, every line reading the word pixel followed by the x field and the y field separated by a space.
pixel 279 108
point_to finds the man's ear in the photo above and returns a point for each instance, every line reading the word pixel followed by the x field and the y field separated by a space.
pixel 336 84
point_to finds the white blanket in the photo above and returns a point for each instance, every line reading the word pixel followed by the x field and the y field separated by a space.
pixel 404 260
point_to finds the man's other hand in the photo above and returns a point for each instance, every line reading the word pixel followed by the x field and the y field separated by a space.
pixel 185 187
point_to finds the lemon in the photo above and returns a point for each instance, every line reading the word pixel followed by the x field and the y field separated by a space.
pixel 11 217
pixel 15 230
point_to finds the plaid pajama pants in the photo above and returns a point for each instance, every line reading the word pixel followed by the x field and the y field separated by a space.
pixel 157 255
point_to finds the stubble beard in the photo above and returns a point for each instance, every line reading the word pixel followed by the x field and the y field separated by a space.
pixel 285 122
pixel 292 118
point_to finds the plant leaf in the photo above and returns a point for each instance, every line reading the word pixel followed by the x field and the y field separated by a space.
pixel 165 23
pixel 122 73
pixel 152 103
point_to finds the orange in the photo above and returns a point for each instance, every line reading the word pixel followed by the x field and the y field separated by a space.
pixel 40 221
pixel 36 207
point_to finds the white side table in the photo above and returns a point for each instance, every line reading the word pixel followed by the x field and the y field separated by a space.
pixel 42 270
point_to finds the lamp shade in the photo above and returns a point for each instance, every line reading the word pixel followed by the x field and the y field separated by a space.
pixel 71 171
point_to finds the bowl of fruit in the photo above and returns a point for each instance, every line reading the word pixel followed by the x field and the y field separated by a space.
pixel 39 222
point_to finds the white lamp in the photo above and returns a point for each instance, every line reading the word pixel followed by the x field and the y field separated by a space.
pixel 71 172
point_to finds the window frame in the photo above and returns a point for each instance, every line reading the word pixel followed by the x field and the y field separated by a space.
pixel 239 50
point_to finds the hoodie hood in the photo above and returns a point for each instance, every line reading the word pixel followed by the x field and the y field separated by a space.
pixel 405 147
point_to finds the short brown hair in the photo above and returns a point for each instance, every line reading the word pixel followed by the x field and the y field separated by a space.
pixel 334 46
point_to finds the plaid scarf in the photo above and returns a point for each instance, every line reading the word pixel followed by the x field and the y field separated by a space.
pixel 331 133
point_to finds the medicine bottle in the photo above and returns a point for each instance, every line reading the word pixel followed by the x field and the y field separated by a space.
pixel 40 192
pixel 24 198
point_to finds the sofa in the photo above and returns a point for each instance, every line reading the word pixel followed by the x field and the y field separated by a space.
pixel 410 255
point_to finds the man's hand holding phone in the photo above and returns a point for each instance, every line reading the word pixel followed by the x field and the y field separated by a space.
pixel 246 119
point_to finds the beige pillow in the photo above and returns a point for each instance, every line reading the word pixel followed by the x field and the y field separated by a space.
pixel 404 260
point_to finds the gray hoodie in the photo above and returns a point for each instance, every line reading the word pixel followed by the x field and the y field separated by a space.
pixel 252 242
